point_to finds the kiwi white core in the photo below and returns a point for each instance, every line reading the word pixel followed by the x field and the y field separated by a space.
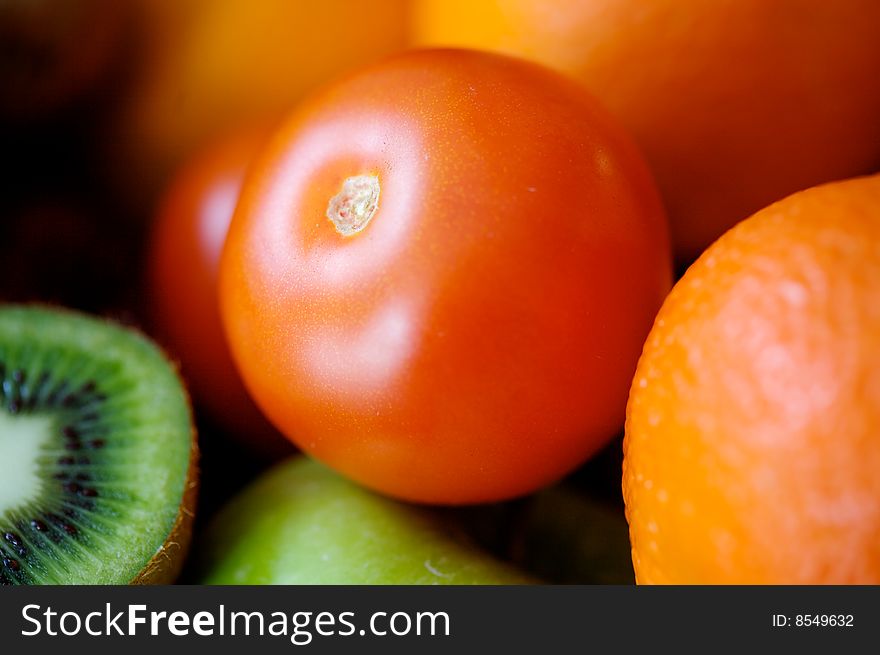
pixel 22 438
pixel 352 208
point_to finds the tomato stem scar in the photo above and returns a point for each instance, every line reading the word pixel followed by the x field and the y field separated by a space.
pixel 353 207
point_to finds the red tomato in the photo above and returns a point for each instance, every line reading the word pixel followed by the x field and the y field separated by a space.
pixel 473 333
pixel 184 260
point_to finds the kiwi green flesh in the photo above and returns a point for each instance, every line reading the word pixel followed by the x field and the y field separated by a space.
pixel 95 443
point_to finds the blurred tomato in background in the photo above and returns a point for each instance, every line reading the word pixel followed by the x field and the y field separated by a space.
pixel 183 261
pixel 204 67
pixel 736 103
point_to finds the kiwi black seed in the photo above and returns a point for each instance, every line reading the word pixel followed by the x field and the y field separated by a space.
pixel 97 453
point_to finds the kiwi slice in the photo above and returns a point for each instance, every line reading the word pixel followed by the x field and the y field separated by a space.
pixel 97 453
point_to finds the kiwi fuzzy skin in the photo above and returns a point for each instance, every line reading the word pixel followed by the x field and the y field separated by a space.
pixel 166 564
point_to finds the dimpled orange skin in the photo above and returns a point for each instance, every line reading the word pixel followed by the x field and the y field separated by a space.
pixel 477 338
pixel 736 103
pixel 753 430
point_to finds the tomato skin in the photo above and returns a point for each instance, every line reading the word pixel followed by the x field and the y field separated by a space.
pixel 477 338
pixel 184 258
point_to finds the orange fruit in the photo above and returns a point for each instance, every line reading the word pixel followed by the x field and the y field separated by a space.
pixel 752 445
pixel 736 103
